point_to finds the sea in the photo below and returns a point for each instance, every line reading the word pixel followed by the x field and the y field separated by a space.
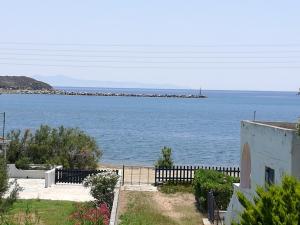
pixel 132 130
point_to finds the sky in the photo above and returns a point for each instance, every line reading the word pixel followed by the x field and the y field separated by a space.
pixel 217 45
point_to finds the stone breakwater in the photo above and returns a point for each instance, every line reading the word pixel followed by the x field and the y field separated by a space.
pixel 104 94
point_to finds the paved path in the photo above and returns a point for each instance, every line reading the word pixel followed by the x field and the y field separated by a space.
pixel 35 189
pixel 143 187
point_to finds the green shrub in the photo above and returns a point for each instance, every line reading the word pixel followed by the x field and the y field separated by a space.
pixel 5 185
pixel 166 158
pixel 23 163
pixel 69 147
pixel 102 187
pixel 219 183
pixel 279 204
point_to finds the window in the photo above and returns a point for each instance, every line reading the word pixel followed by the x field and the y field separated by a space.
pixel 269 176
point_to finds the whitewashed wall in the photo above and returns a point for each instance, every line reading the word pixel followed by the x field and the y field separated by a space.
pixel 270 146
pixel 50 177
pixel 13 172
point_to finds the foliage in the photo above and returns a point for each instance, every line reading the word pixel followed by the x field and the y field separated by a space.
pixel 219 183
pixel 298 128
pixel 23 163
pixel 5 185
pixel 90 215
pixel 278 205
pixel 166 158
pixel 22 218
pixel 69 147
pixel 170 188
pixel 22 82
pixel 102 187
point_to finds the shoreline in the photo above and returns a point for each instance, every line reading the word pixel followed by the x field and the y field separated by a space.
pixel 100 94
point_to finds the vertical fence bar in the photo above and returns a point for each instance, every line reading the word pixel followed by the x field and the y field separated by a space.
pixel 123 175
pixel 140 175
pixel 131 177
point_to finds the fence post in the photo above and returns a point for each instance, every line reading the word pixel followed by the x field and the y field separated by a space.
pixel 140 176
pixel 123 175
pixel 131 175
pixel 155 177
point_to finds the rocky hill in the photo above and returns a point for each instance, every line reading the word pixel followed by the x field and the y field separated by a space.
pixel 22 83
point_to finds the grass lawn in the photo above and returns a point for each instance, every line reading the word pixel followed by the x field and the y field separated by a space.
pixel 176 188
pixel 48 212
pixel 146 208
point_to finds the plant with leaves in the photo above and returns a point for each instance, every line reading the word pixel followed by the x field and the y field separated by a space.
pixel 69 147
pixel 5 186
pixel 102 187
pixel 87 214
pixel 165 159
pixel 276 205
pixel 220 184
pixel 298 127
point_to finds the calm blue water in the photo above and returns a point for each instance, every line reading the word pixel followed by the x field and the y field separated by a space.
pixel 133 130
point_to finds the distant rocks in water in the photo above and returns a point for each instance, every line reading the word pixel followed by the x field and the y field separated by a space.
pixel 73 93
pixel 8 83
pixel 27 85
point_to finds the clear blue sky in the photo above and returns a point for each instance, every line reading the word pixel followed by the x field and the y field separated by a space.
pixel 250 45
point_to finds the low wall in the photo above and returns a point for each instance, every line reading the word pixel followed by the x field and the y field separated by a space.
pixel 114 211
pixel 50 177
pixel 13 172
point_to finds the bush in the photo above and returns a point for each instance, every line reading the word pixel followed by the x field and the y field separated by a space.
pixel 279 204
pixel 5 185
pixel 102 187
pixel 69 147
pixel 219 183
pixel 166 158
pixel 23 163
pixel 89 215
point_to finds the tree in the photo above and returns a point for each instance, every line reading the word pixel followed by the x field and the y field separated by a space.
pixel 278 205
pixel 69 147
pixel 5 185
pixel 166 158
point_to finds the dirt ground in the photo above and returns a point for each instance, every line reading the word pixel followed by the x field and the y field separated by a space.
pixel 180 206
pixel 134 175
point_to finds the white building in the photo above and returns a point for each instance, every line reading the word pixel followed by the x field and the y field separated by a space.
pixel 268 151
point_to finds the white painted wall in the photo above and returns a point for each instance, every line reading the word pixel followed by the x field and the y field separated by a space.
pixel 296 156
pixel 270 146
pixel 13 172
pixel 50 177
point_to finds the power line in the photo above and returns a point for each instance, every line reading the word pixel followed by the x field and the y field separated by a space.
pixel 160 62
pixel 150 57
pixel 152 45
pixel 148 67
pixel 151 52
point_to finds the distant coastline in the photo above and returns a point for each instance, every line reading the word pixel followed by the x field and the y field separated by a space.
pixel 28 85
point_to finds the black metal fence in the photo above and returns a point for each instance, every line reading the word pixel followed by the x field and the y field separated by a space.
pixel 75 176
pixel 213 213
pixel 185 174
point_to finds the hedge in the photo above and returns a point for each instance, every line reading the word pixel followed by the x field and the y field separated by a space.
pixel 219 183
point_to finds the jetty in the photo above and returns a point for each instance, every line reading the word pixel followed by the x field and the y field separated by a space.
pixel 102 94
